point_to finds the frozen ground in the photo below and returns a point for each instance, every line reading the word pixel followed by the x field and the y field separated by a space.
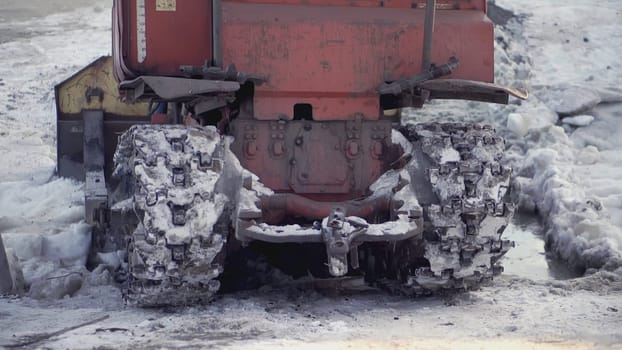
pixel 568 172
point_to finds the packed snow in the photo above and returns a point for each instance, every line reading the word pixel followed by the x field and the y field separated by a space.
pixel 569 174
pixel 564 145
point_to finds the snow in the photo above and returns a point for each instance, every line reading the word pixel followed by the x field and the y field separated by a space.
pixel 562 171
pixel 41 223
pixel 567 169
pixel 40 215
pixel 579 227
pixel 397 138
pixel 508 313
pixel 568 100
pixel 518 124
pixel 579 120
pixel 450 155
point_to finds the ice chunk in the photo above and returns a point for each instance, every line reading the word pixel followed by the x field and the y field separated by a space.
pixel 569 99
pixel 69 247
pixel 40 254
pixel 111 260
pixel 14 283
pixel 578 120
pixel 26 246
pixel 518 124
pixel 57 284
pixel 16 273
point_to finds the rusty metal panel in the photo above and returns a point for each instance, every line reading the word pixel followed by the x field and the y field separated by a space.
pixel 333 160
pixel 336 58
pixel 159 36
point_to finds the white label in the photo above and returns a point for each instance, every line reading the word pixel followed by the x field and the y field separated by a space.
pixel 141 31
pixel 166 5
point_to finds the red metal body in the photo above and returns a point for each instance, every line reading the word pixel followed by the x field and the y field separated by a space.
pixel 170 34
pixel 335 57
pixel 326 57
pixel 331 54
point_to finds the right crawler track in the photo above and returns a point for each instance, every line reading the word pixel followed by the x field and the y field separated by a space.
pixel 465 212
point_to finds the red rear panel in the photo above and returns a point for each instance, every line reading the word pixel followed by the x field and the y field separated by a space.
pixel 161 35
pixel 330 54
pixel 335 57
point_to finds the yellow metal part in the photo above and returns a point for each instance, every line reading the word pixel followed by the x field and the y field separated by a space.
pixel 95 88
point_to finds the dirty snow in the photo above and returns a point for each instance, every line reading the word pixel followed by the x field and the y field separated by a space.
pixel 568 173
pixel 41 215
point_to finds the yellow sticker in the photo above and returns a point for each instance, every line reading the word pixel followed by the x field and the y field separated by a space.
pixel 166 5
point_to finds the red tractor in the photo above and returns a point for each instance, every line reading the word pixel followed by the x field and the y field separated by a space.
pixel 274 124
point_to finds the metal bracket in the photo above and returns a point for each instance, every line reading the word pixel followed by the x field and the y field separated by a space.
pixel 171 88
pixel 471 90
pixel 94 92
pixel 338 233
pixel 95 192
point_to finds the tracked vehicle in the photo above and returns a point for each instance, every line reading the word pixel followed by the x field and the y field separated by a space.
pixel 224 124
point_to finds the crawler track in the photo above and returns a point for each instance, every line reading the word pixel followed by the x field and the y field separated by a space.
pixel 175 254
pixel 464 195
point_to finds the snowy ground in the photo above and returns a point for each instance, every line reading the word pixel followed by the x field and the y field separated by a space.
pixel 568 172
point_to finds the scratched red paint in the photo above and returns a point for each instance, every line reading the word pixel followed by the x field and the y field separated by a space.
pixel 335 57
pixel 332 54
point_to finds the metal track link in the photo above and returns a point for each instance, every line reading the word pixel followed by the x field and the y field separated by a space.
pixel 462 238
pixel 175 254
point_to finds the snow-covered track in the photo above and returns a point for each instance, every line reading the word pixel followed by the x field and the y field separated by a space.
pixel 465 214
pixel 175 253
